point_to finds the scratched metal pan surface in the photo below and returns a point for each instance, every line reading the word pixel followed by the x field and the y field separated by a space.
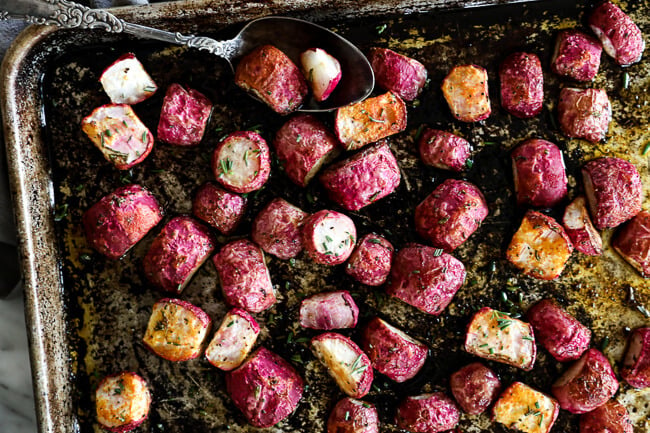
pixel 87 315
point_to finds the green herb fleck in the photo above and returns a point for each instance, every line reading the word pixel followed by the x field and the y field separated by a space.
pixel 380 29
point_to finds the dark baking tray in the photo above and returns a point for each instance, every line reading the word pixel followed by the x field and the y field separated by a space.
pixel 87 315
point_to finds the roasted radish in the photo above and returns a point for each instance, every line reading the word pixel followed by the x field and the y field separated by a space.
pixel 577 55
pixel 127 82
pixel 233 340
pixel 276 229
pixel 370 261
pixel 522 85
pixel 122 402
pixel 584 113
pixel 523 408
pixel 221 209
pixel 612 417
pixel 475 387
pixel 427 413
pixel 580 229
pixel 345 362
pixel 353 416
pixel 632 242
pixel 242 162
pixel 401 75
pixel 329 237
pixel 329 310
pixel 184 116
pixel 322 72
pixel 636 364
pixel 621 38
pixel 444 150
pixel 466 92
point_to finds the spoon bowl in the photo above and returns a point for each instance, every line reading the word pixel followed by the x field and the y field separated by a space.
pixel 290 35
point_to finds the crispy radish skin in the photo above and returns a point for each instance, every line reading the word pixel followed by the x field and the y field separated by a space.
pixel 267 73
pixel 522 85
pixel 353 416
pixel 304 145
pixel 539 173
pixel 176 330
pixel 466 92
pixel 126 81
pixel 329 237
pixel 444 150
pixel 233 341
pixel 540 248
pixel 580 229
pixel 242 162
pixel 371 260
pixel 612 417
pixel 577 55
pixel 221 209
pixel 632 242
pixel 392 351
pixel 425 277
pixel 587 384
pixel 276 229
pixel 265 388
pixel 495 336
pixel 621 37
pixel 329 310
pixel 345 362
pixel 370 120
pixel 636 364
pixel 560 333
pixel 584 113
pixel 122 402
pixel 523 408
pixel 401 75
pixel 362 179
pixel 184 116
pixel 475 387
pixel 427 413
pixel 121 219
pixel 119 134
pixel 243 275
pixel 322 72
pixel 179 250
pixel 614 191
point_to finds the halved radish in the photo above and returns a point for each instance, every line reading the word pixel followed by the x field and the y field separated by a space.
pixel 322 71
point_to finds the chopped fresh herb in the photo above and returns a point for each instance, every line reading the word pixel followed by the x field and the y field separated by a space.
pixel 418 133
pixel 347 415
pixel 246 157
pixel 60 212
pixel 328 239
pixel 443 220
pixel 292 262
pixel 144 137
pixel 374 196
pixel 626 80
pixel 484 345
pixel 226 165
pixel 527 338
pixel 108 133
pixel 149 89
pixel 296 358
pixel 374 241
pixel 380 29
pixel 232 322
pixel 469 163
pixel 298 138
pixel 437 252
pixel 120 387
pixel 646 148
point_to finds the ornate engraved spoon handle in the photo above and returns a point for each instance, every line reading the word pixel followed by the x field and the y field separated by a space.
pixel 71 15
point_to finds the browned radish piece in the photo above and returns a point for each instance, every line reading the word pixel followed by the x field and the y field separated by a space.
pixel 540 248
pixel 612 417
pixel 559 332
pixel 362 179
pixel 621 38
pixel 444 150
pixel 345 362
pixel 401 75
pixel 242 162
pixel 614 191
pixel 233 340
pixel 370 120
pixel 126 81
pixel 584 113
pixel 120 219
pixel 122 402
pixel 370 262
pixel 392 351
pixel 475 387
pixel 522 85
pixel 322 71
pixel 184 116
pixel 276 229
pixel 176 330
pixel 577 55
pixel 587 384
pixel 221 209
pixel 353 416
pixel 119 134
pixel 580 229
pixel 636 364
pixel 425 277
pixel 330 310
pixel 304 145
pixel 498 337
pixel 329 237
pixel 523 408
pixel 427 413
pixel 178 251
pixel 466 92
pixel 539 173
pixel 272 77
pixel 266 388
pixel 244 277
pixel 450 214
pixel 632 242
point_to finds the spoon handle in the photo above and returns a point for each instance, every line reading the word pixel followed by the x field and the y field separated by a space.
pixel 71 15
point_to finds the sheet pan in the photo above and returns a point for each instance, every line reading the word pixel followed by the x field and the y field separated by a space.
pixel 86 315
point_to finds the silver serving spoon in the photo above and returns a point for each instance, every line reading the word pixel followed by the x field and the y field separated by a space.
pixel 290 35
